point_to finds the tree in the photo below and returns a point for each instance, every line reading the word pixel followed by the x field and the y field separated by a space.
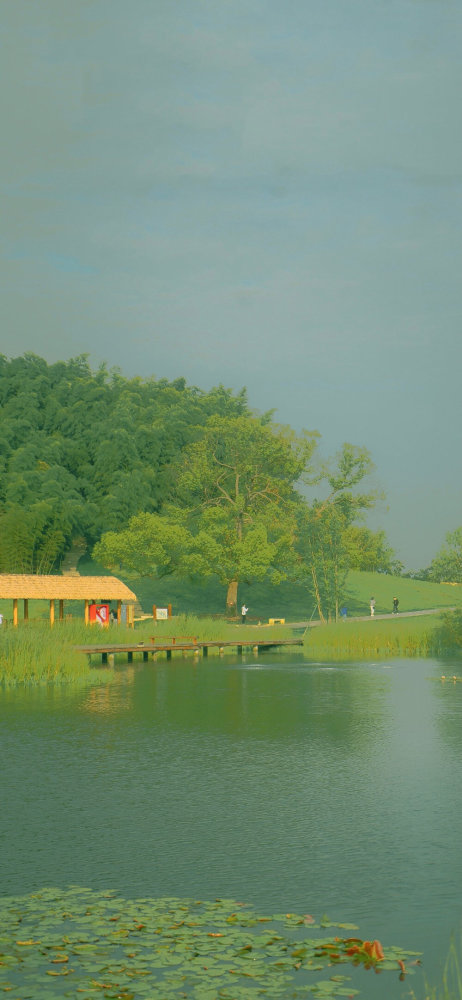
pixel 369 551
pixel 234 498
pixel 447 564
pixel 323 544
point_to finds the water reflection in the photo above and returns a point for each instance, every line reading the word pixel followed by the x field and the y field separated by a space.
pixel 114 697
pixel 296 787
pixel 263 701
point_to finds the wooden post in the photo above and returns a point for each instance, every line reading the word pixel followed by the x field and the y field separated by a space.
pixel 26 609
pixel 154 612
pixel 15 611
pixel 87 613
pixel 61 610
pixel 52 613
pixel 169 610
pixel 119 612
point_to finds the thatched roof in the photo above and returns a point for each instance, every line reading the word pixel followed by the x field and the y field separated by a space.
pixel 64 588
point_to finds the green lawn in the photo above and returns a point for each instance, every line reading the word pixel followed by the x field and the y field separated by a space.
pixel 413 595
pixel 264 601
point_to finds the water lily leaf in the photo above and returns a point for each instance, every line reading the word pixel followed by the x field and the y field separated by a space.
pixel 167 947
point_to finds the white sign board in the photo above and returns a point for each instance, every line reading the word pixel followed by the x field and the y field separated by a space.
pixel 161 613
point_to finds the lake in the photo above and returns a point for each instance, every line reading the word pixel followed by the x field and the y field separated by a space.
pixel 328 789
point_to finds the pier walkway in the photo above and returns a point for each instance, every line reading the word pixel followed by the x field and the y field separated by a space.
pixel 195 646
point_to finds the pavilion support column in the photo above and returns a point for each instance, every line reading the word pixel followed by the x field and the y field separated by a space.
pixel 52 613
pixel 87 613
pixel 26 609
pixel 61 611
pixel 15 612
pixel 119 612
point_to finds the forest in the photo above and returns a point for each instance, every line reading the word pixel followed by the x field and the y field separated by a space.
pixel 159 478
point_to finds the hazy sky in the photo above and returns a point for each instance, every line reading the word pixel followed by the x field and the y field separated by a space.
pixel 254 193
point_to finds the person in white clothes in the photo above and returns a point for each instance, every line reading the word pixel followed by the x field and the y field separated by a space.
pixel 244 611
pixel 372 606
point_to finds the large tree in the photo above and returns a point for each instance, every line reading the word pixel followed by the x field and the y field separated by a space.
pixel 235 501
pixel 324 527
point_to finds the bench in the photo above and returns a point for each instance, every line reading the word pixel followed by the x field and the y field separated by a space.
pixel 174 639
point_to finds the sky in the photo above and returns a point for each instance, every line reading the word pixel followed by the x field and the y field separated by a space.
pixel 251 193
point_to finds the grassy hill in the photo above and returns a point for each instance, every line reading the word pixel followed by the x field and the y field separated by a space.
pixel 286 601
pixel 413 595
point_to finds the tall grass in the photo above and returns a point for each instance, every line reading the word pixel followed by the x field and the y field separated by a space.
pixel 371 639
pixel 34 653
pixel 450 987
pixel 210 629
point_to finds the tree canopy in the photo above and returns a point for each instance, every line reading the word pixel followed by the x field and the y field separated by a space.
pixel 446 567
pixel 81 452
pixel 234 499
pixel 159 477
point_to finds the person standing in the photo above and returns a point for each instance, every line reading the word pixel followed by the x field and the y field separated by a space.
pixel 372 606
pixel 395 605
pixel 244 611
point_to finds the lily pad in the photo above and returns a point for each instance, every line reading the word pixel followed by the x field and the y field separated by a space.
pixel 80 943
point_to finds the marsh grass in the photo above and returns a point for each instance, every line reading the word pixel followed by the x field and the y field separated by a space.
pixel 371 639
pixel 212 629
pixel 450 987
pixel 34 653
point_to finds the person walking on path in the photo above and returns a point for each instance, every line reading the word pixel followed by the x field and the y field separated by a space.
pixel 395 605
pixel 372 606
pixel 244 611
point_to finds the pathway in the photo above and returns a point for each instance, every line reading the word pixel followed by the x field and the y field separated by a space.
pixel 376 617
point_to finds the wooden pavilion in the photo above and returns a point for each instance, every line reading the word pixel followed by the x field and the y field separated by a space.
pixel 89 589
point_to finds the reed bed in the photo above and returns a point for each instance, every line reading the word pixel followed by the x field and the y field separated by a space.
pixel 34 653
pixel 371 640
pixel 450 987
pixel 211 629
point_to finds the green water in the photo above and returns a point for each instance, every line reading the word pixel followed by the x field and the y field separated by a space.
pixel 323 789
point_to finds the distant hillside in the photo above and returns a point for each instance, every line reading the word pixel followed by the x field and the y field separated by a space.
pixel 413 595
pixel 286 601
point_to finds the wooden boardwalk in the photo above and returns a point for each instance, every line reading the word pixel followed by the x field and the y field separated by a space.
pixel 145 650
